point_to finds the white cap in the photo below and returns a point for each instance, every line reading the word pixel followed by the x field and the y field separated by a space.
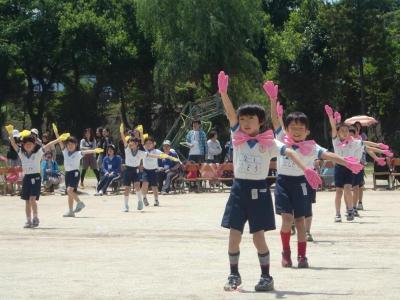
pixel 167 142
pixel 15 133
pixel 35 131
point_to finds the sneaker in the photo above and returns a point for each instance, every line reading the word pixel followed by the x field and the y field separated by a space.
pixel 126 208
pixel 355 212
pixel 360 206
pixel 82 186
pixel 35 222
pixel 164 193
pixel 265 284
pixel 99 193
pixel 79 206
pixel 286 260
pixel 233 282
pixel 309 237
pixel 140 205
pixel 28 224
pixel 350 215
pixel 302 262
pixel 293 230
pixel 338 218
pixel 146 203
pixel 156 203
pixel 69 214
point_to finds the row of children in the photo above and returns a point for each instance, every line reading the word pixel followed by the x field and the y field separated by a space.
pixel 250 199
pixel 31 153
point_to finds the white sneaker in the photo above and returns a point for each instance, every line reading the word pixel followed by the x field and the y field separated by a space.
pixel 99 193
pixel 126 208
pixel 140 204
pixel 69 214
pixel 79 206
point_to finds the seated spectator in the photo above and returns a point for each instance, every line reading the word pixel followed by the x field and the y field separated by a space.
pixel 168 169
pixel 51 176
pixel 111 169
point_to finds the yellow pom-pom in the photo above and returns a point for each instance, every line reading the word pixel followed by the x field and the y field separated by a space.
pixel 99 150
pixel 10 129
pixel 127 138
pixel 121 128
pixel 145 136
pixel 25 133
pixel 139 128
pixel 55 129
pixel 64 136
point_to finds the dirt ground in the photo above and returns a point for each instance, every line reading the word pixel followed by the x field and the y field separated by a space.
pixel 179 251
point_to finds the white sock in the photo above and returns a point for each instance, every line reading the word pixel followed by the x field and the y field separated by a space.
pixel 139 196
pixel 126 199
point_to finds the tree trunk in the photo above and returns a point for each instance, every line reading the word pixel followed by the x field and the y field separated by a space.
pixel 123 109
pixel 362 84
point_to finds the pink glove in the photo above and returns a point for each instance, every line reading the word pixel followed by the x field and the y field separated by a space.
pixel 353 164
pixel 279 109
pixel 313 178
pixel 381 161
pixel 383 146
pixel 388 153
pixel 223 82
pixel 329 111
pixel 337 116
pixel 271 89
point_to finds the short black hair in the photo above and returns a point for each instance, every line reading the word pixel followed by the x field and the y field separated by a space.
pixel 253 110
pixel 149 139
pixel 212 134
pixel 339 125
pixel 352 129
pixel 72 140
pixel 297 117
pixel 29 139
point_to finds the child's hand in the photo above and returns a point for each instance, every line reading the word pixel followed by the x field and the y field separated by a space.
pixel 271 89
pixel 223 82
pixel 279 110
pixel 64 137
pixel 353 164
pixel 10 129
pixel 122 128
pixel 25 133
pixel 98 150
pixel 313 178
pixel 383 146
pixel 329 111
pixel 381 161
pixel 55 129
pixel 139 128
pixel 337 116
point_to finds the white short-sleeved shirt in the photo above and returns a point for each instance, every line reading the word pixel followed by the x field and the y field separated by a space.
pixel 72 160
pixel 134 161
pixel 151 163
pixel 285 166
pixel 31 164
pixel 251 160
pixel 195 149
pixel 353 148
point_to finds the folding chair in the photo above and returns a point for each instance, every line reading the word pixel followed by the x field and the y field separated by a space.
pixel 327 174
pixel 395 172
pixel 381 173
pixel 271 178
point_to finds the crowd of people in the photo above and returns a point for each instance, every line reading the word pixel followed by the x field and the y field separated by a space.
pixel 253 146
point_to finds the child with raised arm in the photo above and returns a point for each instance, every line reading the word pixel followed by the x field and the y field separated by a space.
pixel 150 166
pixel 293 194
pixel 133 157
pixel 30 154
pixel 250 198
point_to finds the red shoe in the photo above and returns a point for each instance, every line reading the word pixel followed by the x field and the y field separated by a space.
pixel 286 260
pixel 302 262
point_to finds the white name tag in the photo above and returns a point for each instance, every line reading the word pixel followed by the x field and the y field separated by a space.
pixel 254 194
pixel 76 174
pixel 33 180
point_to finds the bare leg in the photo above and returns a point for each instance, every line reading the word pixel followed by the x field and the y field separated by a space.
pixel 308 222
pixel 338 199
pixel 301 229
pixel 34 206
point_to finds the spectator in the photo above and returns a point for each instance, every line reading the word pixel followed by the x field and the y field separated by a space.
pixel 111 169
pixel 45 141
pixel 88 143
pixel 214 148
pixel 99 144
pixel 168 170
pixel 51 176
pixel 197 141
pixel 35 133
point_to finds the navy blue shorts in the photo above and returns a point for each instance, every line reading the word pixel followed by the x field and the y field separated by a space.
pixel 72 179
pixel 31 184
pixel 131 175
pixel 293 195
pixel 358 179
pixel 250 200
pixel 150 176
pixel 343 176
